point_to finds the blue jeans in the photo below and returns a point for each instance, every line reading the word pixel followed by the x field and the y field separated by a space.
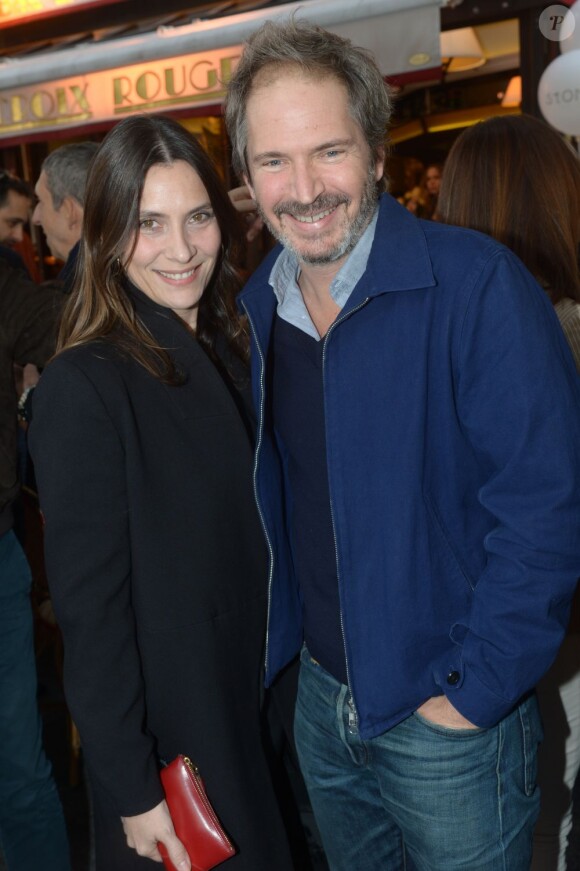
pixel 420 795
pixel 32 828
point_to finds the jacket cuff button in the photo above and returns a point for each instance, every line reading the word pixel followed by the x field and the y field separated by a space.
pixel 453 678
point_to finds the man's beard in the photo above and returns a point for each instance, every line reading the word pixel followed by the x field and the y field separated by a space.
pixel 324 202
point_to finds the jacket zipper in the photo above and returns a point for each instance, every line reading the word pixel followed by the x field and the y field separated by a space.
pixel 353 714
pixel 255 482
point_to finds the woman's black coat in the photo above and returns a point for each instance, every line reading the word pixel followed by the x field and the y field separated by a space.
pixel 157 570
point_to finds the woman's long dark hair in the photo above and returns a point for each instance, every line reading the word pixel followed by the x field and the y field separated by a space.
pixel 516 179
pixel 99 307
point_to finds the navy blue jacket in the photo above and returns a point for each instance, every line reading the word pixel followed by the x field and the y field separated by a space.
pixel 453 437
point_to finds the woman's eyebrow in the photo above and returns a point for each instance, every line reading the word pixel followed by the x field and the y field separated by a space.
pixel 154 213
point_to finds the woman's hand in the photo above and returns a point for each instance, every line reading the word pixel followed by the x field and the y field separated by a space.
pixel 145 830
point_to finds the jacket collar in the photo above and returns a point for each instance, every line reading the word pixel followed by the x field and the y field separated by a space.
pixel 399 257
pixel 144 305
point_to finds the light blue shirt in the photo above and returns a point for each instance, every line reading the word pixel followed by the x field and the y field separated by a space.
pixel 286 271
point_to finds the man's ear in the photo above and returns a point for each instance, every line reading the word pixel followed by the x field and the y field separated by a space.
pixel 379 163
pixel 74 213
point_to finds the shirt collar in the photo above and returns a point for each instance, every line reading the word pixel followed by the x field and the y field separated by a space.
pixel 286 271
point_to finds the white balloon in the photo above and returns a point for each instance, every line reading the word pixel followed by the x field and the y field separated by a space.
pixel 559 93
pixel 572 42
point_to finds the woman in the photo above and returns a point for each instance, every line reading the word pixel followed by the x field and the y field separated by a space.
pixel 154 551
pixel 423 199
pixel 515 179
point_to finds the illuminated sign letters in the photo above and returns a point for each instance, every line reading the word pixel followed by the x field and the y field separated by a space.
pixel 170 83
pixel 190 80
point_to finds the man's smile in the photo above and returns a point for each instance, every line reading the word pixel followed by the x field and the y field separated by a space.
pixel 312 219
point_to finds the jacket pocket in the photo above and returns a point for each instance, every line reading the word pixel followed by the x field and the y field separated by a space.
pixel 446 541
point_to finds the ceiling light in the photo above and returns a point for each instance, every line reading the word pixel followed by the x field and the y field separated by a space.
pixel 461 50
pixel 419 59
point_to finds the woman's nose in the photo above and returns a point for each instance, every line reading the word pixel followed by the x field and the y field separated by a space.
pixel 180 247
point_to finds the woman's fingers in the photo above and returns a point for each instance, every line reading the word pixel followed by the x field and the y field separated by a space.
pixel 145 831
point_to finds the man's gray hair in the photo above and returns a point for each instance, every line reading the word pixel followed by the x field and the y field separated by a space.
pixel 317 52
pixel 66 169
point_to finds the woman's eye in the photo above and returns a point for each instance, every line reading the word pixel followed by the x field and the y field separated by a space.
pixel 201 217
pixel 148 224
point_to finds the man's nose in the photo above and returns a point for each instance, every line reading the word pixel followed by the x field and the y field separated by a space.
pixel 307 183
pixel 17 233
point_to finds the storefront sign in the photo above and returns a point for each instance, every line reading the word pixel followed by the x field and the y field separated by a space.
pixel 190 80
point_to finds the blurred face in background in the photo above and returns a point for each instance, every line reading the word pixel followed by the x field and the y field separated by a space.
pixel 14 214
pixel 59 225
pixel 433 180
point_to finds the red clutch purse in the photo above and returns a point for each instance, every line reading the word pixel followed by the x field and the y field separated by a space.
pixel 194 819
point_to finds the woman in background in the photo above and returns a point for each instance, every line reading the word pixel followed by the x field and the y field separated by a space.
pixel 154 551
pixel 423 199
pixel 516 179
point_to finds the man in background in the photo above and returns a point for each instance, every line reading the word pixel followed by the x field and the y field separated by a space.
pixel 60 193
pixel 32 827
pixel 15 202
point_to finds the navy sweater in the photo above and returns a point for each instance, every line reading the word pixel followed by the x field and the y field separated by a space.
pixel 298 412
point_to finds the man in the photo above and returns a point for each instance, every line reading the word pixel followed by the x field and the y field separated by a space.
pixel 15 198
pixel 32 828
pixel 60 193
pixel 418 476
pixel 15 202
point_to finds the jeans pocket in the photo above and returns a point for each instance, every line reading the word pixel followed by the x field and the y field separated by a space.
pixel 307 659
pixel 448 731
pixel 530 724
